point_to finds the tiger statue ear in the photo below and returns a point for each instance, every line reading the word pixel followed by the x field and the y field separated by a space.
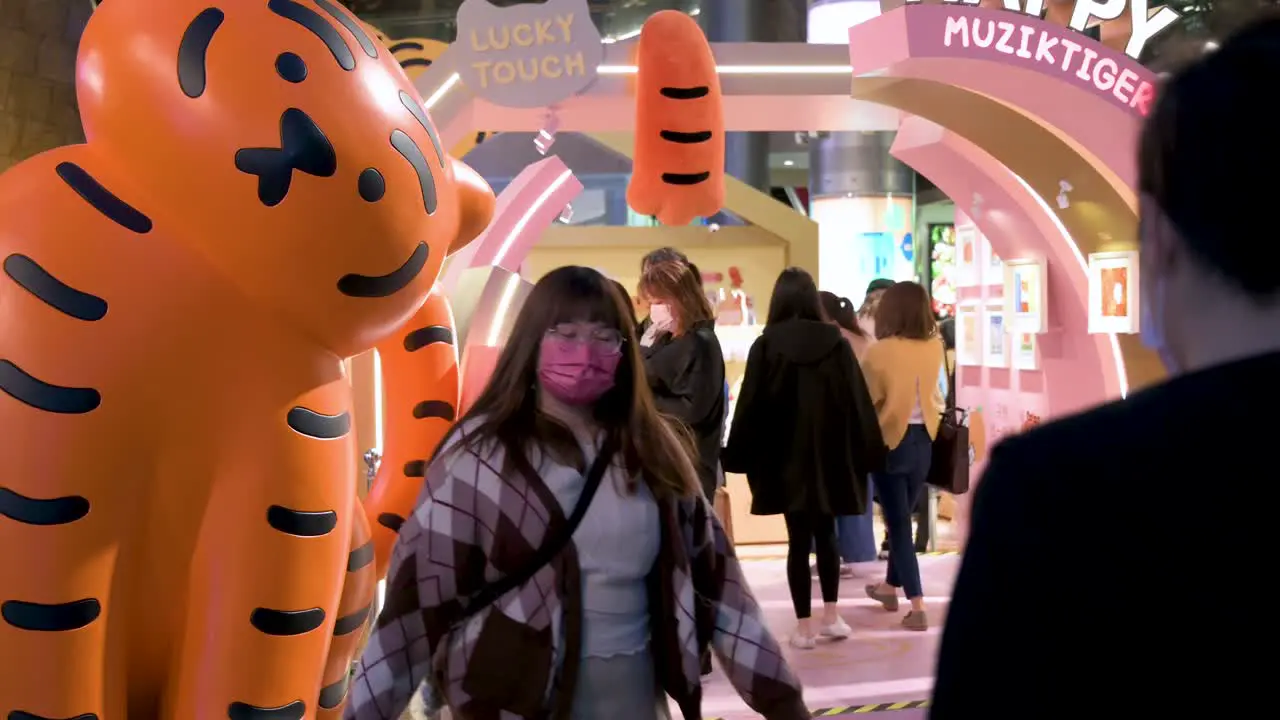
pixel 476 204
pixel 376 33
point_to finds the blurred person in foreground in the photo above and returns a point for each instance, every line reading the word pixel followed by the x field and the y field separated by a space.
pixel 604 623
pixel 1049 604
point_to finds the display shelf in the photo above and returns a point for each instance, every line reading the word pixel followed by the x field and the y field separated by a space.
pixel 736 340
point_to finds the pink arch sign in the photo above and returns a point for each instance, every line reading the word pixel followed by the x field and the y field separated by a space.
pixel 525 209
pixel 1093 97
pixel 1041 83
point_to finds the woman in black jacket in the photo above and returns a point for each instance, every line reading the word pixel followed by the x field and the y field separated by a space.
pixel 806 435
pixel 685 365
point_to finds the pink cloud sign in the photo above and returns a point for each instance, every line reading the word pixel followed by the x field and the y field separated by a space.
pixel 531 55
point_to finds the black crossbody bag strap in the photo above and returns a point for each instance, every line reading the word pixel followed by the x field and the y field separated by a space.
pixel 490 593
pixel 951 379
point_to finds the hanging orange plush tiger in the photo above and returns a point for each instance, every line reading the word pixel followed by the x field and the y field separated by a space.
pixel 260 196
pixel 678 171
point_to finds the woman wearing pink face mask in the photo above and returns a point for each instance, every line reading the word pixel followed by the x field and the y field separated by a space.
pixel 562 561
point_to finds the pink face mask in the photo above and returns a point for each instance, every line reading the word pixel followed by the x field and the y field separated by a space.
pixel 577 372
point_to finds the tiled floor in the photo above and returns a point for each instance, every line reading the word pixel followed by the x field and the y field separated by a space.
pixel 881 663
pixel 947 543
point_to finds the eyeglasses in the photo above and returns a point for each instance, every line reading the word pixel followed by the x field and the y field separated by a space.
pixel 583 334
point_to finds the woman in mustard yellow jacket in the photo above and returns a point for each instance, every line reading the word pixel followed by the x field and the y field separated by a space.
pixel 902 369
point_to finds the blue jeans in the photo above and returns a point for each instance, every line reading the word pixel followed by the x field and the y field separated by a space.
pixel 900 487
pixel 856 536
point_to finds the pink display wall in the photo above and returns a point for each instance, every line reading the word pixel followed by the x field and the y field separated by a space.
pixel 1009 399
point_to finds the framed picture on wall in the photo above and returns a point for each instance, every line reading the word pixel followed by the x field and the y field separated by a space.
pixel 1025 295
pixel 1113 292
pixel 968 335
pixel 966 256
pixel 995 340
pixel 1024 352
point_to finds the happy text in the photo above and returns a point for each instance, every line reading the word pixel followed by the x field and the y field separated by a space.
pixel 1145 27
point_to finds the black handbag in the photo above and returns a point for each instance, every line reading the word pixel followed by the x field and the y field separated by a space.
pixel 949 469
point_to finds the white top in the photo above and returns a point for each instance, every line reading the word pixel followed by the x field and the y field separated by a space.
pixel 917 413
pixel 617 543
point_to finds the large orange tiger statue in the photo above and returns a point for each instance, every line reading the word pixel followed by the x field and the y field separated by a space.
pixel 260 196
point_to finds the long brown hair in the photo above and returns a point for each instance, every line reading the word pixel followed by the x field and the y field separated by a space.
pixel 904 311
pixel 507 410
pixel 675 282
pixel 662 254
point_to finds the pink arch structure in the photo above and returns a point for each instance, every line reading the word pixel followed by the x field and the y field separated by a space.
pixel 1044 104
pixel 1097 107
pixel 1080 370
pixel 526 208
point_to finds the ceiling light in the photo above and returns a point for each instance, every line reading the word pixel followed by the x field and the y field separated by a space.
pixel 748 69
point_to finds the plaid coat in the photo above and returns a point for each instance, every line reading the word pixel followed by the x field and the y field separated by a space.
pixel 516 660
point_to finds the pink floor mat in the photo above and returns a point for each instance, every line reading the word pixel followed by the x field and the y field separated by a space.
pixel 882 665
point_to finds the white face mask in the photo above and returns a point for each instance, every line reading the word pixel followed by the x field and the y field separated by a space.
pixel 660 315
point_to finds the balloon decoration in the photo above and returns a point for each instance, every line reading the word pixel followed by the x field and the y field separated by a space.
pixel 260 195
pixel 678 170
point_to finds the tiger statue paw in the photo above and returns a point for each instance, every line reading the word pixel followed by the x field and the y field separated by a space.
pixel 261 195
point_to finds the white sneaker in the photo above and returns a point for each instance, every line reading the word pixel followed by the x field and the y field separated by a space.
pixel 838 630
pixel 802 642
